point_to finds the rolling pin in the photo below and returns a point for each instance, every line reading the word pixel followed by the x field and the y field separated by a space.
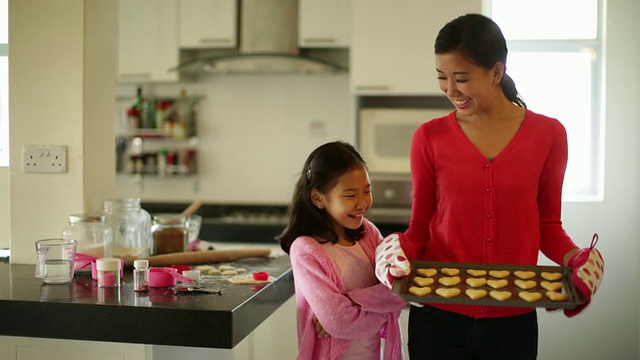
pixel 199 257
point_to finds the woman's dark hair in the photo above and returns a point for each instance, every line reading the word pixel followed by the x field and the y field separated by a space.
pixel 321 172
pixel 479 40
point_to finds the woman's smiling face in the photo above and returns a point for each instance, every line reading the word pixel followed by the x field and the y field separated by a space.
pixel 469 87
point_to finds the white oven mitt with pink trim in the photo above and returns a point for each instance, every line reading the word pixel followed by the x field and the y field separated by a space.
pixel 588 269
pixel 391 262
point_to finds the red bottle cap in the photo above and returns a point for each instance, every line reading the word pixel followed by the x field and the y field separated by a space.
pixel 181 268
pixel 260 276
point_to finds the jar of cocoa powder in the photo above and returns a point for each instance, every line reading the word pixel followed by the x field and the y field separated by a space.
pixel 170 234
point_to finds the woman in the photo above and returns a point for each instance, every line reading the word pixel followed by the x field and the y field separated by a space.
pixel 487 188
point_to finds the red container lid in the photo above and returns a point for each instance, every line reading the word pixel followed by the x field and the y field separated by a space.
pixel 260 276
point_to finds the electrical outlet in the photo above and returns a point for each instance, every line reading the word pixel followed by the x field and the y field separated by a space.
pixel 44 158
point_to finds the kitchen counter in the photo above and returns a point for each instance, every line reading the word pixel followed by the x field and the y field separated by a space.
pixel 82 311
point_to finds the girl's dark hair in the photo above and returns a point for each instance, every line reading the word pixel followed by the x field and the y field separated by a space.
pixel 321 172
pixel 479 40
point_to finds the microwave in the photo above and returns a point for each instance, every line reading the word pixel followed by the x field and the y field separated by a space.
pixel 384 137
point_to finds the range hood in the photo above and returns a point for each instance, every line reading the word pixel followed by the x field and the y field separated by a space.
pixel 268 45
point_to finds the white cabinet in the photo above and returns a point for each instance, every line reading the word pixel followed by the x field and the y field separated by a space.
pixel 324 23
pixel 148 40
pixel 208 24
pixel 392 44
pixel 23 348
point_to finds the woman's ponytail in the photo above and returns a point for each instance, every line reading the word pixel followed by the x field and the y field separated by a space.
pixel 510 91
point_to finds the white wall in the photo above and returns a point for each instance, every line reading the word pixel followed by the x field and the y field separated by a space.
pixel 255 134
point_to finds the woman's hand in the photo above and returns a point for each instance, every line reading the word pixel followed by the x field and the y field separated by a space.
pixel 322 333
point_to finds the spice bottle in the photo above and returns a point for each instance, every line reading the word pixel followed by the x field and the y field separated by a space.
pixel 141 275
pixel 169 233
pixel 108 272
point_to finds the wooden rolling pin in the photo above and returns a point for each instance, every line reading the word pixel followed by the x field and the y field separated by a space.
pixel 200 257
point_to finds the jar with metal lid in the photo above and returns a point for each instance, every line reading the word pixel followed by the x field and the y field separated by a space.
pixel 170 234
pixel 94 237
pixel 131 226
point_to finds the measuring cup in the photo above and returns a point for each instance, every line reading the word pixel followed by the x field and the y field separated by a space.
pixel 55 260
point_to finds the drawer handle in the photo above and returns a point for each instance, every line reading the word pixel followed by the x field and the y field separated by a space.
pixel 373 87
pixel 319 41
pixel 136 76
pixel 215 41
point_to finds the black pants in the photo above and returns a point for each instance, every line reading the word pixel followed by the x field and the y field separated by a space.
pixel 438 334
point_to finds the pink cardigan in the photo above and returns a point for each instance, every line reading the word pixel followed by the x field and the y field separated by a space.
pixel 320 291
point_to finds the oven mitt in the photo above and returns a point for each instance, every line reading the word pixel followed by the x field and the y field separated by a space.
pixel 588 269
pixel 391 262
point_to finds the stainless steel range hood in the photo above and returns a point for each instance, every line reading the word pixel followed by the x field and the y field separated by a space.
pixel 268 45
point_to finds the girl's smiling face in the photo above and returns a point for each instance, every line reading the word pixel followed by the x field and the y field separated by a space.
pixel 348 201
pixel 469 87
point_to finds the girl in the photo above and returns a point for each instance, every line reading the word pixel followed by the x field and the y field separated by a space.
pixel 343 311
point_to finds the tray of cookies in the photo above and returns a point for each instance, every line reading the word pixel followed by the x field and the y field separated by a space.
pixel 489 284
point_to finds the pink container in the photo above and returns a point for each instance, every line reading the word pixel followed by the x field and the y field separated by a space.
pixel 161 277
pixel 94 271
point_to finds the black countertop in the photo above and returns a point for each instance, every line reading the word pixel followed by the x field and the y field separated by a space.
pixel 82 311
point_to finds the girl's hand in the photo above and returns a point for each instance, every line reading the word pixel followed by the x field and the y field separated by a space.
pixel 322 333
pixel 588 267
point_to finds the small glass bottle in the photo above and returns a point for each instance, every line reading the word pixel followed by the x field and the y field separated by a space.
pixel 169 233
pixel 141 275
pixel 108 272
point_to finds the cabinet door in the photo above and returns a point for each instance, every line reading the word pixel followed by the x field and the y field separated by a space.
pixel 208 24
pixel 148 40
pixel 324 23
pixel 392 44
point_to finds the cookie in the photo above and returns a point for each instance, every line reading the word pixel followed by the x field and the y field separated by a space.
pixel 500 274
pixel 226 267
pixel 449 280
pixel 525 284
pixel 500 295
pixel 448 292
pixel 476 273
pixel 422 281
pixel 475 294
pixel 214 272
pixel 530 296
pixel 497 284
pixel 476 282
pixel 426 272
pixel 450 271
pixel 524 275
pixel 420 291
pixel 551 276
pixel 557 296
pixel 229 272
pixel 551 286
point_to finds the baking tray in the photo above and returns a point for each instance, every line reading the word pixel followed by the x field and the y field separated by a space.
pixel 401 286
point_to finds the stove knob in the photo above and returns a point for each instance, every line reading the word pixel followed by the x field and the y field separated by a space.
pixel 389 194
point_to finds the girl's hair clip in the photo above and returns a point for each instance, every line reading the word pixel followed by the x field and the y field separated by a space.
pixel 309 174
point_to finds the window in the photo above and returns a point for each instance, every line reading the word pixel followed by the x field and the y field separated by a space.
pixel 4 83
pixel 556 60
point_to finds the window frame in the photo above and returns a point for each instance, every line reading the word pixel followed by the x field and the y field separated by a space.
pixel 594 192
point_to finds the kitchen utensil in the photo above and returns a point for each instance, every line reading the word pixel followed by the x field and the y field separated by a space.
pixel 55 260
pixel 165 276
pixel 191 209
pixel 201 257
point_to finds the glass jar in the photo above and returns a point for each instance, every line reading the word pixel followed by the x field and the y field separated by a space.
pixel 94 237
pixel 131 226
pixel 169 233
